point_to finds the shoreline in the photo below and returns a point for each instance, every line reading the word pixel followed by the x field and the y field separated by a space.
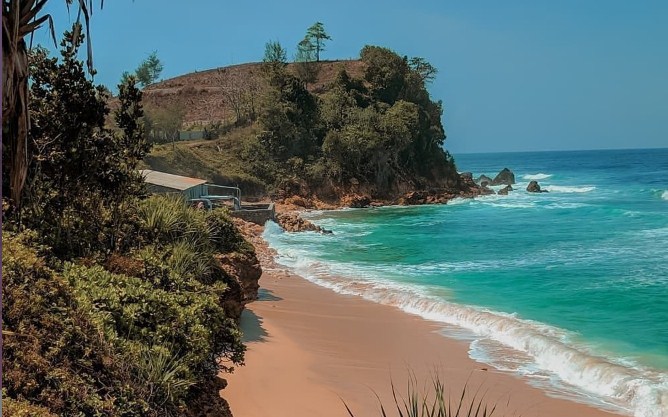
pixel 310 349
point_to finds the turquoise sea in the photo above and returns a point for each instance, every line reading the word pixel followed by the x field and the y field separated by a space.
pixel 568 288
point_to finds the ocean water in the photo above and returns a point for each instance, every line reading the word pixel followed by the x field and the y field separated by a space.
pixel 568 288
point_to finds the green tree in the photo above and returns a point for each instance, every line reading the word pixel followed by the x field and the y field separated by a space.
pixel 80 167
pixel 125 77
pixel 274 53
pixel 149 70
pixel 290 119
pixel 162 124
pixel 306 66
pixel 20 18
pixel 317 36
pixel 424 69
pixel 385 71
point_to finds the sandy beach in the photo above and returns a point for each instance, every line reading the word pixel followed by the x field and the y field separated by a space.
pixel 310 349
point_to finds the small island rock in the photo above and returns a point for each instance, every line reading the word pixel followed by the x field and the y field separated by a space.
pixel 484 178
pixel 505 190
pixel 534 187
pixel 505 177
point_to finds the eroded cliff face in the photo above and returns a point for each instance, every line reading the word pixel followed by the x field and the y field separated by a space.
pixel 243 273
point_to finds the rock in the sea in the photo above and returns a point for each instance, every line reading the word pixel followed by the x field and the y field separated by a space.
pixel 505 190
pixel 484 178
pixel 505 177
pixel 292 222
pixel 534 187
pixel 485 190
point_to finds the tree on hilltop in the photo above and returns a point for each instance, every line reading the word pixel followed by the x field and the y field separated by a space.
pixel 317 36
pixel 149 70
pixel 306 65
pixel 274 53
pixel 424 69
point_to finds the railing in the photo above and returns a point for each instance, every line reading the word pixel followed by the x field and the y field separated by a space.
pixel 221 192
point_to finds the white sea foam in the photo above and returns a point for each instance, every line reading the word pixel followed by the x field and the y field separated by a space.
pixel 566 205
pixel 664 195
pixel 458 201
pixel 539 176
pixel 633 389
pixel 567 189
pixel 517 204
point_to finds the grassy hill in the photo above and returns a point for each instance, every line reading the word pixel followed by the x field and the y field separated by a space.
pixel 202 93
pixel 202 96
pixel 319 129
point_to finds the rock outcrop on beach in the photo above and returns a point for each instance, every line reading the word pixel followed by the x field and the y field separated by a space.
pixel 505 190
pixel 243 271
pixel 293 222
pixel 505 177
pixel 534 187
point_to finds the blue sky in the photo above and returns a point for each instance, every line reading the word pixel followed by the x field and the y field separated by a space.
pixel 514 75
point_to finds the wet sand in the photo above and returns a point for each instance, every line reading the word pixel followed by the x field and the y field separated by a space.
pixel 310 349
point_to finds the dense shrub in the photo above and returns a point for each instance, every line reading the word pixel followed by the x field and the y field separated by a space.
pixel 167 219
pixel 19 408
pixel 113 306
pixel 54 354
pixel 142 340
pixel 173 337
pixel 381 133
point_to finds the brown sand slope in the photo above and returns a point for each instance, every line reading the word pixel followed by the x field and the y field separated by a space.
pixel 201 93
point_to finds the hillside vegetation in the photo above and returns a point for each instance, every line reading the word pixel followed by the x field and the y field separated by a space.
pixel 114 303
pixel 314 129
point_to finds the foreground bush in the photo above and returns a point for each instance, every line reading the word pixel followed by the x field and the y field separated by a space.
pixel 142 334
pixel 183 330
pixel 115 305
pixel 53 353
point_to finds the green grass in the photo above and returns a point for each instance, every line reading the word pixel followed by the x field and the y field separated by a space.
pixel 222 161
pixel 434 401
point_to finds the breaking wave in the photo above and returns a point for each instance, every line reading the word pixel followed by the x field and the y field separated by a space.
pixel 567 189
pixel 664 196
pixel 539 176
pixel 622 385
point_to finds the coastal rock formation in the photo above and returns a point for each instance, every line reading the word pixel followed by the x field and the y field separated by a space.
pixel 208 402
pixel 485 190
pixel 466 181
pixel 243 273
pixel 505 177
pixel 534 187
pixel 484 179
pixel 292 222
pixel 466 177
pixel 469 189
pixel 299 201
pixel 356 201
pixel 505 190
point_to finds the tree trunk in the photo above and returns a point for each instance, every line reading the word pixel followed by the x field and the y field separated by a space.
pixel 15 117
